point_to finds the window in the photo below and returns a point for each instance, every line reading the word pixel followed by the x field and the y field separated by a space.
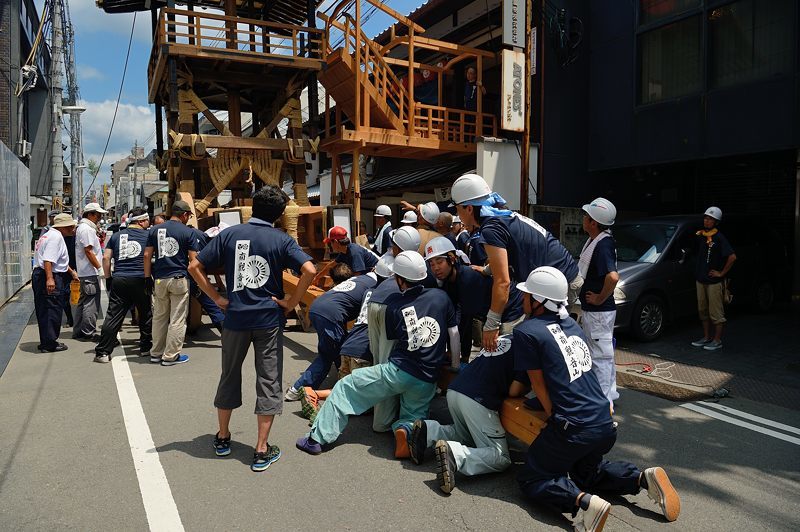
pixel 750 40
pixel 670 60
pixel 653 10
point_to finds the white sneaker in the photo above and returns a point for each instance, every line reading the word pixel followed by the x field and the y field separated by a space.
pixel 713 345
pixel 103 359
pixel 660 489
pixel 593 519
pixel 292 394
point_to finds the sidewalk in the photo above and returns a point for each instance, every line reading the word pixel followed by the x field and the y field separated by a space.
pixel 760 360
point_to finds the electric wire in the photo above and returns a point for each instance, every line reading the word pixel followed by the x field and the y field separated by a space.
pixel 116 108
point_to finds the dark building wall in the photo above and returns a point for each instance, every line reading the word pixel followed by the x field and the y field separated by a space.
pixel 40 135
pixel 752 117
pixel 564 177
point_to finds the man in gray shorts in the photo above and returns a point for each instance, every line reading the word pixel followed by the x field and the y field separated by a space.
pixel 254 256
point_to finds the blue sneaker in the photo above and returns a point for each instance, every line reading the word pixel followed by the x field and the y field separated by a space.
pixel 222 446
pixel 308 445
pixel 180 360
pixel 263 460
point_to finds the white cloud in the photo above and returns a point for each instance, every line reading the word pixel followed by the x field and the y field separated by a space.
pixel 88 18
pixel 88 72
pixel 134 123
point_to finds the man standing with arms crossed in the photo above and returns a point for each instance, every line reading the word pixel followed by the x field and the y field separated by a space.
pixel 383 226
pixel 254 255
pixel 173 245
pixel 50 281
pixel 88 254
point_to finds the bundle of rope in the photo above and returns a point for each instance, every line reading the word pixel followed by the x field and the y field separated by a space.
pixel 222 169
pixel 301 194
pixel 290 218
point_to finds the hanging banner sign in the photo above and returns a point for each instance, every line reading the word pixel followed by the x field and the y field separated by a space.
pixel 514 23
pixel 513 91
pixel 533 51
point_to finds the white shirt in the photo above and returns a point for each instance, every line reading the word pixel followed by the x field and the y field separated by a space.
pixel 51 248
pixel 86 236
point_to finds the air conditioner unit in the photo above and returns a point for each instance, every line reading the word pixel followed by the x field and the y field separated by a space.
pixel 24 148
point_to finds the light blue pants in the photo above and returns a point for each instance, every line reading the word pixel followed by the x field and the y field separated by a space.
pixel 364 388
pixel 476 436
pixel 385 412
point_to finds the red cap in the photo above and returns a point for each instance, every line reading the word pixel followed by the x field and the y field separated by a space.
pixel 336 233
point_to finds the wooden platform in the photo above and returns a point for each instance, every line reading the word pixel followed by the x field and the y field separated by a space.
pixel 520 422
pixel 259 56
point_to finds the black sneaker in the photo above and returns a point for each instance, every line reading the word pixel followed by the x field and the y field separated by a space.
pixel 261 461
pixel 222 446
pixel 418 441
pixel 445 466
pixel 59 347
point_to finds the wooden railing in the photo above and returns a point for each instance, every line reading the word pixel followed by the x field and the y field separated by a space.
pixel 237 36
pixel 374 69
pixel 452 125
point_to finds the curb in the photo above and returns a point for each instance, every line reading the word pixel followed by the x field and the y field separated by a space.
pixel 634 380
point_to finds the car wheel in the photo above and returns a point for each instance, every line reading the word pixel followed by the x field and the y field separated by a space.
pixel 764 296
pixel 649 317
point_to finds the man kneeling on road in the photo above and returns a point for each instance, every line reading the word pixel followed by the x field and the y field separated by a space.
pixel 476 442
pixel 566 458
pixel 415 318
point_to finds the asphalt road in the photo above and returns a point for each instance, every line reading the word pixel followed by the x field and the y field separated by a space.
pixel 68 462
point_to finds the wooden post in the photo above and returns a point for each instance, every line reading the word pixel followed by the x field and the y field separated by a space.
pixel 334 175
pixel 479 90
pixel 411 111
pixel 357 120
pixel 355 185
pixel 230 34
pixel 525 163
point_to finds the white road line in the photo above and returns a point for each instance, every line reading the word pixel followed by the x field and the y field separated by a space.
pixel 751 417
pixel 733 421
pixel 162 514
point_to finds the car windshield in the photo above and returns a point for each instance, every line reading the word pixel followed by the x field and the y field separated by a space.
pixel 642 242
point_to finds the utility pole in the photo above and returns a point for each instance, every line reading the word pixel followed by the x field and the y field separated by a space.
pixel 73 108
pixel 135 195
pixel 56 67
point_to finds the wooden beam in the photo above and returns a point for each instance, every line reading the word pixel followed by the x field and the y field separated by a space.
pixel 244 143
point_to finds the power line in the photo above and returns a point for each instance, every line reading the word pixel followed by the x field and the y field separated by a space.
pixel 116 107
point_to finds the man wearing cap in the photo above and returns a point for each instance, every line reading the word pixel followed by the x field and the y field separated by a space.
pixel 173 245
pixel 427 218
pixel 410 219
pixel 598 268
pixel 50 281
pixel 88 254
pixel 383 226
pixel 564 464
pixel 254 256
pixel 126 289
pixel 715 258
pixel 416 319
pixel 515 245
pixel 359 259
pixel 459 234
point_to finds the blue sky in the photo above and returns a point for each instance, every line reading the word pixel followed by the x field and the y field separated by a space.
pixel 101 41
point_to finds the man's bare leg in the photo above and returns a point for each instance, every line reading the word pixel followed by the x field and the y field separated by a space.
pixel 224 417
pixel 264 426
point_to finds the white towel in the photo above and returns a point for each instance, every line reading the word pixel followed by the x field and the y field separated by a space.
pixel 588 251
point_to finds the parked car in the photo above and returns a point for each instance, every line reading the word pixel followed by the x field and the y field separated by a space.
pixel 656 261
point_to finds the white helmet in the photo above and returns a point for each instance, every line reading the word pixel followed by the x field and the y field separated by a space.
pixel 410 265
pixel 456 219
pixel 406 238
pixel 546 283
pixel 714 212
pixel 429 212
pixel 383 210
pixel 384 266
pixel 601 211
pixel 410 217
pixel 468 187
pixel 438 246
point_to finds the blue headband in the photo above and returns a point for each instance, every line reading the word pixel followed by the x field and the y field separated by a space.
pixel 487 205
